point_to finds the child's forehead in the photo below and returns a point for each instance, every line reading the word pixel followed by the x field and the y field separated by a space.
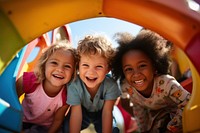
pixel 66 49
pixel 93 60
pixel 135 54
pixel 61 52
pixel 91 55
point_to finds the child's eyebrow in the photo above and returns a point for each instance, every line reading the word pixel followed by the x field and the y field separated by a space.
pixel 53 59
pixel 126 65
pixel 143 61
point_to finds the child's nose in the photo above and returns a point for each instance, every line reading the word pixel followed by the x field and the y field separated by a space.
pixel 60 69
pixel 91 71
pixel 136 73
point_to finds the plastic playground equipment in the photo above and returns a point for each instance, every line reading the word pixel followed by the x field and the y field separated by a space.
pixel 26 22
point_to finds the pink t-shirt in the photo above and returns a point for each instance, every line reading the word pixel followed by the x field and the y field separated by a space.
pixel 38 107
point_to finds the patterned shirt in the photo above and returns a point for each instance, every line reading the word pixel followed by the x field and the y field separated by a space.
pixel 167 97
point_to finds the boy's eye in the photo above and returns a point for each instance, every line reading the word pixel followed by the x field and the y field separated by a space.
pixel 85 65
pixel 99 66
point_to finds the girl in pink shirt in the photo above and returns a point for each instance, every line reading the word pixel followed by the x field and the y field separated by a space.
pixel 44 105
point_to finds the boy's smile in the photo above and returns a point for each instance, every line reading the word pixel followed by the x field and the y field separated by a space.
pixel 92 70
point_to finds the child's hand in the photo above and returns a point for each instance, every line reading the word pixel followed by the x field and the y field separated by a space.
pixel 174 130
pixel 132 125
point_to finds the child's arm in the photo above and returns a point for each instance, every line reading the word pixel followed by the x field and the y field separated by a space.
pixel 75 119
pixel 107 116
pixel 140 114
pixel 58 119
pixel 126 105
pixel 19 86
pixel 181 97
pixel 130 122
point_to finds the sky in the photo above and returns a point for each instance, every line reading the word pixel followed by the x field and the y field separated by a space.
pixel 101 25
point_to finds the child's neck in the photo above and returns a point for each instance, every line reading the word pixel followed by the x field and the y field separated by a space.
pixel 92 92
pixel 146 93
pixel 51 91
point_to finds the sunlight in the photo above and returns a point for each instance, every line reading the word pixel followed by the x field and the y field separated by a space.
pixel 193 5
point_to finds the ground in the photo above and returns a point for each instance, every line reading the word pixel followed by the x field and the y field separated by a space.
pixel 90 129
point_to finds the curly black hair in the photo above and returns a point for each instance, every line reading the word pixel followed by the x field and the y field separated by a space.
pixel 150 43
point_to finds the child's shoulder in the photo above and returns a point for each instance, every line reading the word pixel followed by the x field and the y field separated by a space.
pixel 109 78
pixel 109 81
pixel 29 74
pixel 77 80
pixel 29 82
pixel 76 83
pixel 166 82
pixel 165 77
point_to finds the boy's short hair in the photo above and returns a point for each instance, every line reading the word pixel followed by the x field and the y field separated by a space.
pixel 96 44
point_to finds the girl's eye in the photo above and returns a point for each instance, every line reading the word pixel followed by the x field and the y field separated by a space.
pixel 67 66
pixel 142 66
pixel 128 69
pixel 54 63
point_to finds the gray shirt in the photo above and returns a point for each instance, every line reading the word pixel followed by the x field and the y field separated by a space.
pixel 78 94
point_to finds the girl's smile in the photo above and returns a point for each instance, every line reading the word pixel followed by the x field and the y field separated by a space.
pixel 139 71
pixel 59 70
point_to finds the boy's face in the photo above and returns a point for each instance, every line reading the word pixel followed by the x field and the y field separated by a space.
pixel 92 70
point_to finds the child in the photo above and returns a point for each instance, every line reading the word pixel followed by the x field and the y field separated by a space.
pixel 44 105
pixel 93 94
pixel 158 99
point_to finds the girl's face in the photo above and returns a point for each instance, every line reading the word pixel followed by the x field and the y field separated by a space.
pixel 92 70
pixel 59 69
pixel 138 71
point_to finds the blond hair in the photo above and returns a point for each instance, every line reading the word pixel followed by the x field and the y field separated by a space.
pixel 59 45
pixel 96 44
